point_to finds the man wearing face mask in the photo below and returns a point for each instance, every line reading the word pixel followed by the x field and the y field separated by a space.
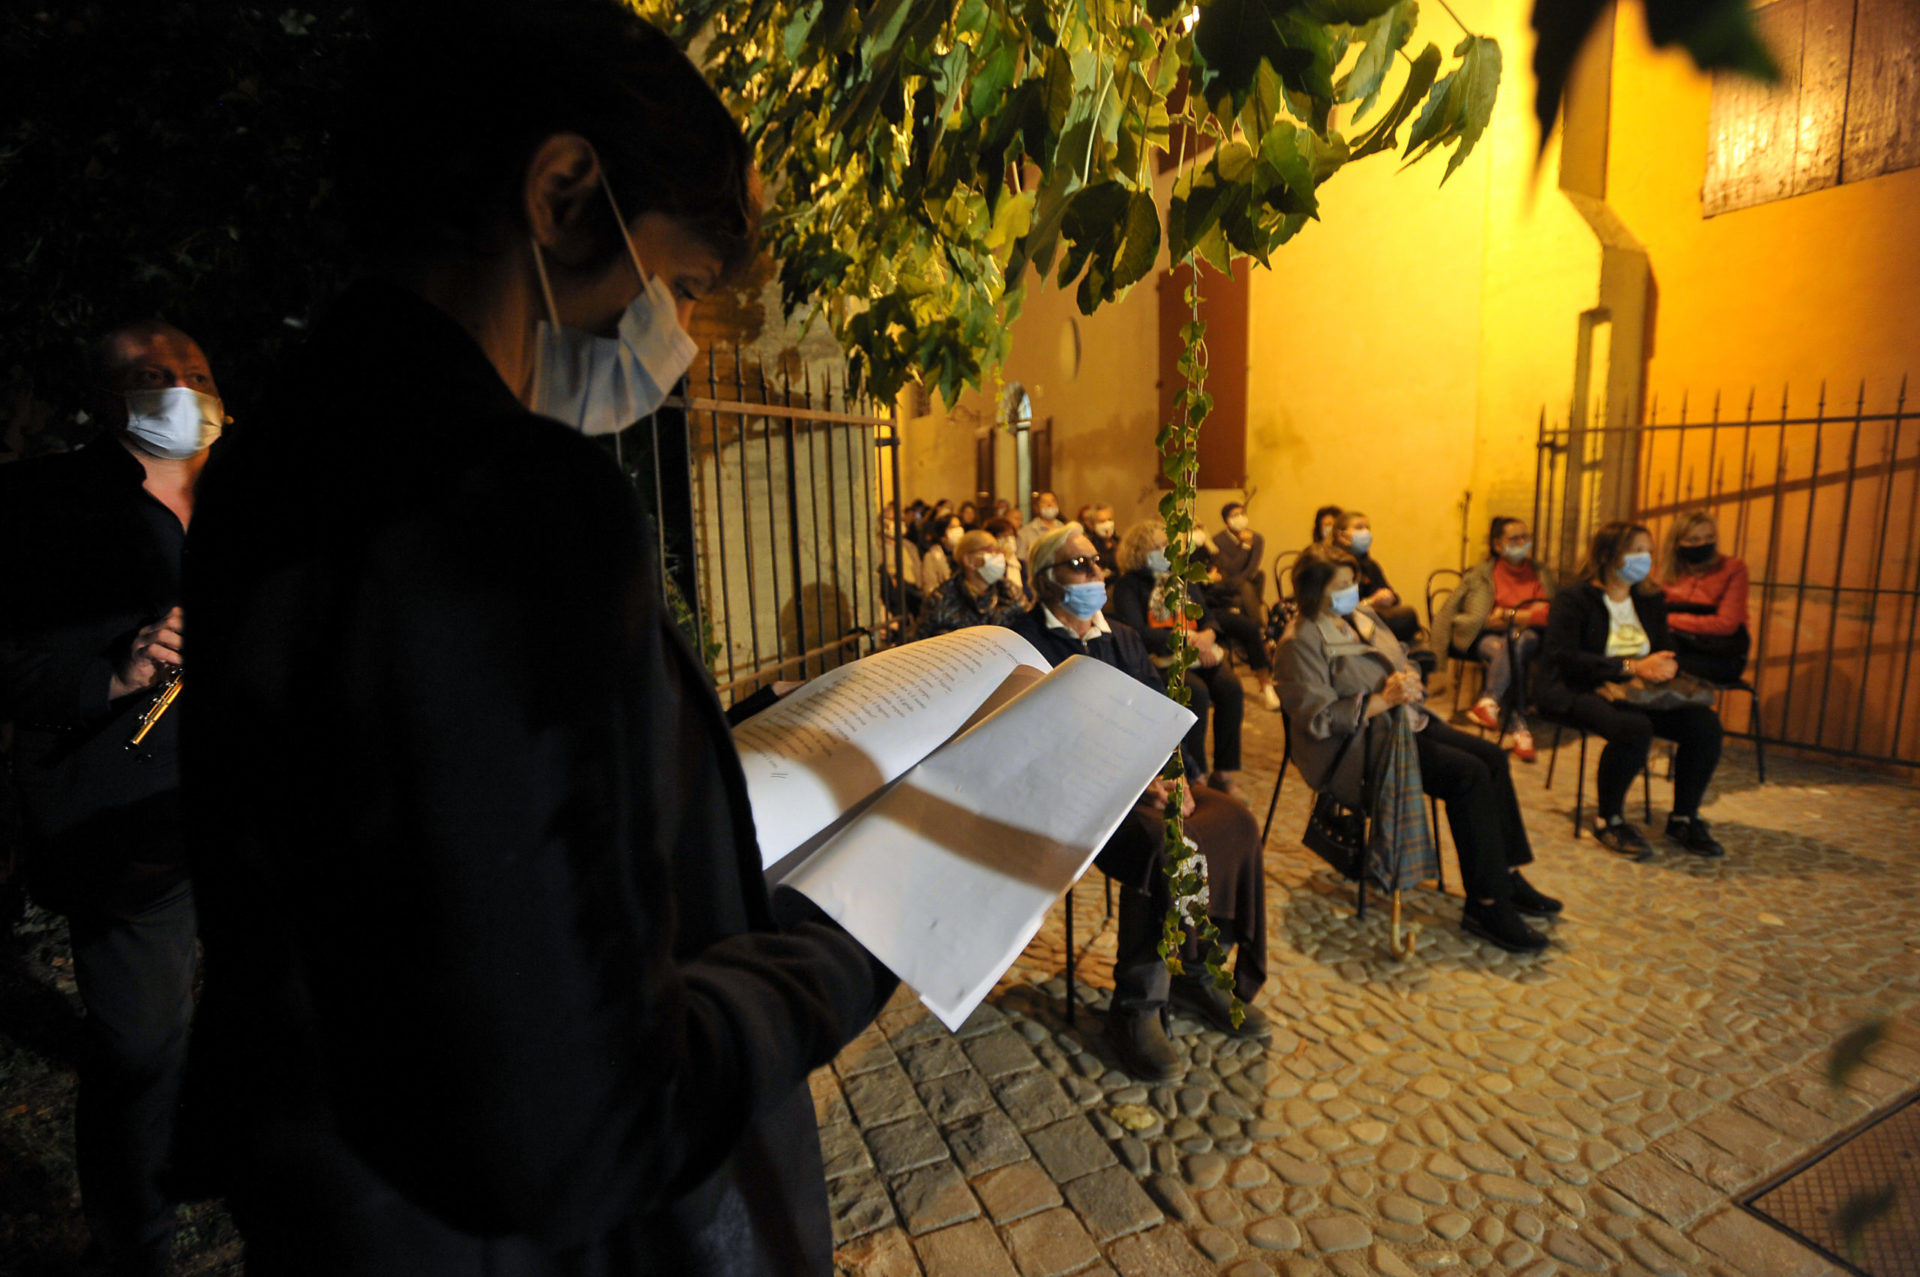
pixel 980 593
pixel 90 626
pixel 495 984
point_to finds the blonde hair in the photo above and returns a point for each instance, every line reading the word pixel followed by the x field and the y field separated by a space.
pixel 975 541
pixel 1140 540
pixel 1045 549
pixel 1682 526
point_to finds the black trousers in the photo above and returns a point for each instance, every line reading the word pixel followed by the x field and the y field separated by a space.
pixel 1244 635
pixel 136 980
pixel 1216 691
pixel 1469 774
pixel 1229 838
pixel 1629 734
pixel 1402 620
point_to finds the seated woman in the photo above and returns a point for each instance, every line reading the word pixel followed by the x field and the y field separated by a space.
pixel 1137 600
pixel 1706 601
pixel 1496 615
pixel 942 533
pixel 1606 637
pixel 1325 519
pixel 1340 669
pixel 1006 533
pixel 1067 621
pixel 978 594
pixel 899 567
pixel 1106 541
pixel 1353 532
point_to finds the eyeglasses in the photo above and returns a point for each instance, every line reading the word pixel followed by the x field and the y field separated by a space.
pixel 1079 563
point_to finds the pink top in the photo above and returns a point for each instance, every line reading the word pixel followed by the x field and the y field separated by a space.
pixel 1723 587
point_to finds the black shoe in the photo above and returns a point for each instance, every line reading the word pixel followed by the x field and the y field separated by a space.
pixel 1197 994
pixel 1693 835
pixel 1141 1042
pixel 1623 839
pixel 1500 924
pixel 1529 901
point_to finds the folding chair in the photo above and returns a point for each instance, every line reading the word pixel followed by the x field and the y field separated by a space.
pixel 1580 774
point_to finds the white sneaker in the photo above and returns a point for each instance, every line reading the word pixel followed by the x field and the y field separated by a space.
pixel 1269 697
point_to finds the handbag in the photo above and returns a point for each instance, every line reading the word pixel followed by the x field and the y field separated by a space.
pixel 1336 832
pixel 1677 692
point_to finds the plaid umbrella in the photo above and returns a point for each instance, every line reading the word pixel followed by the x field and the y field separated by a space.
pixel 1400 841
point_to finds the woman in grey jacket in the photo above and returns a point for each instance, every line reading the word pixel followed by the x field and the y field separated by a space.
pixel 1339 671
pixel 1496 615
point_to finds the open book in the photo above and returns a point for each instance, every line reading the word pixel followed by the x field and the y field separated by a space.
pixel 936 799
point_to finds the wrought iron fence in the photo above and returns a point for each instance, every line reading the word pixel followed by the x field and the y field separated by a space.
pixel 766 494
pixel 1824 509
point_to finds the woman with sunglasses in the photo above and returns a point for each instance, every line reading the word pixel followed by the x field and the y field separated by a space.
pixel 1068 621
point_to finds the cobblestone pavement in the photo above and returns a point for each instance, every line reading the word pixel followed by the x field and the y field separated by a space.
pixel 1592 1109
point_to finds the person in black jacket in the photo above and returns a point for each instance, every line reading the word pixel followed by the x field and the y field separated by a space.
pixel 1068 621
pixel 494 982
pixel 90 626
pixel 1607 636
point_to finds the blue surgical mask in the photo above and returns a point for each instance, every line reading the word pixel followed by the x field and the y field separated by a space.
pixel 1517 553
pixel 1084 598
pixel 1635 568
pixel 1157 562
pixel 1344 601
pixel 1363 540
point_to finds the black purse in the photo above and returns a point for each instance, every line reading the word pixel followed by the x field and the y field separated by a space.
pixel 1336 832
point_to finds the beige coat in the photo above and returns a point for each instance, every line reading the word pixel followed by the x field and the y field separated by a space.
pixel 1324 675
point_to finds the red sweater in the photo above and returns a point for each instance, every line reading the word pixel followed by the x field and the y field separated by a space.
pixel 1723 587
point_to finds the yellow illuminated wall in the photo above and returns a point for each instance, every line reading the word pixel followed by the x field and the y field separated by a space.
pixel 1404 348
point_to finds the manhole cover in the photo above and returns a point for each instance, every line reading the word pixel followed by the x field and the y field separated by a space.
pixel 1879 1158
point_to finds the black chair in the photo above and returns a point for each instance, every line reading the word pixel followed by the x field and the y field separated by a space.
pixel 1756 726
pixel 1273 805
pixel 1580 774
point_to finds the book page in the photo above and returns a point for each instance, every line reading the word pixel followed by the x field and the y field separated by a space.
pixel 949 874
pixel 831 744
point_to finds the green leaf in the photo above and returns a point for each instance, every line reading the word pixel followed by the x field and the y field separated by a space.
pixel 1859 1212
pixel 1384 135
pixel 1351 12
pixel 1719 34
pixel 1460 105
pixel 1379 40
pixel 1233 37
pixel 1850 1052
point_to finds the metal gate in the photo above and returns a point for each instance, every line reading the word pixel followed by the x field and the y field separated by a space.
pixel 1824 509
pixel 767 496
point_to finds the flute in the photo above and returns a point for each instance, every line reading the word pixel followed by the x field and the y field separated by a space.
pixel 169 692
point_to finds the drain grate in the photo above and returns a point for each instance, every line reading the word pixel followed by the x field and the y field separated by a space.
pixel 1808 1201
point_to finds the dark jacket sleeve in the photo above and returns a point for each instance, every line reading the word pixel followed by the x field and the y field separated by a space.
pixel 1129 606
pixel 1581 663
pixel 488 923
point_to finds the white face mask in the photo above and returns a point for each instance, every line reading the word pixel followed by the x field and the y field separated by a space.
pixel 602 385
pixel 1048 512
pixel 992 568
pixel 175 423
pixel 1238 523
pixel 1103 528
